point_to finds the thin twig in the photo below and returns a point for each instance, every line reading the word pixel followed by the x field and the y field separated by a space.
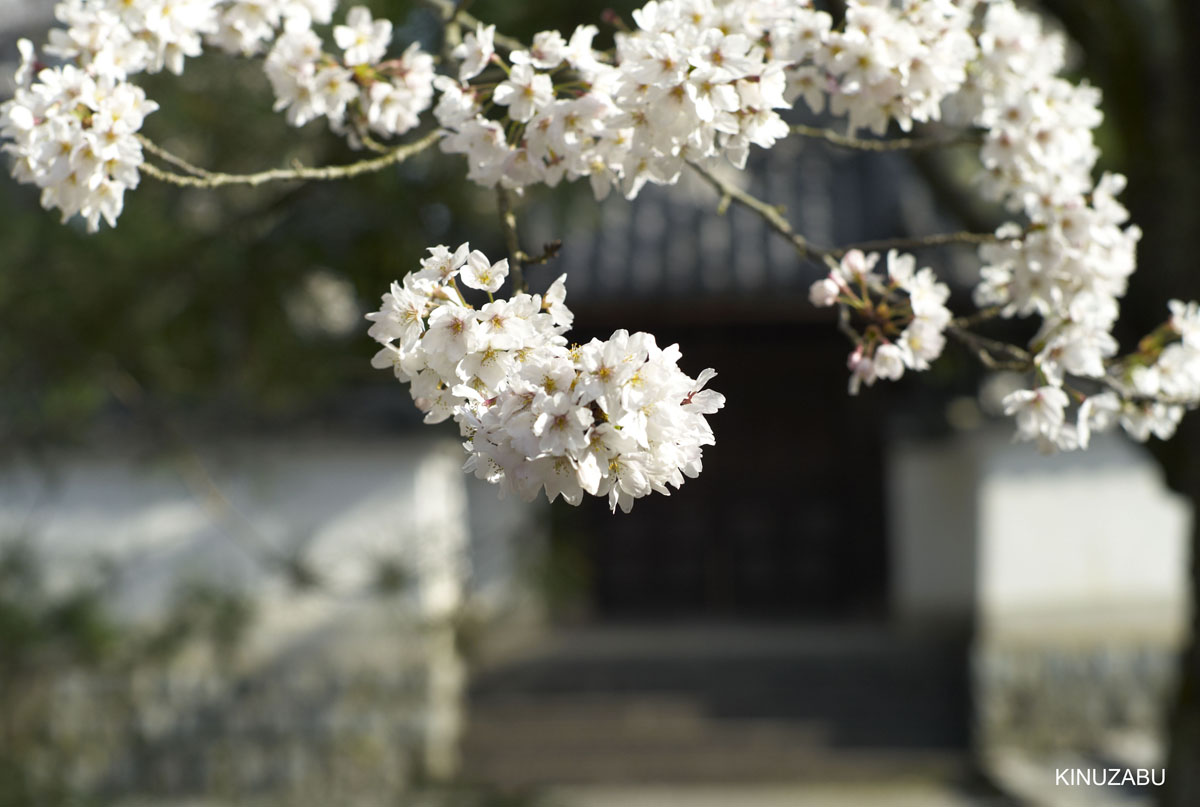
pixel 456 12
pixel 896 144
pixel 774 218
pixel 173 159
pixel 992 353
pixel 919 242
pixel 1126 394
pixel 980 316
pixel 508 223
pixel 549 253
pixel 986 351
pixel 844 325
pixel 369 142
pixel 213 179
pixel 772 215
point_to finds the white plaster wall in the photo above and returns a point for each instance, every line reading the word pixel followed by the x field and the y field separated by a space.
pixel 988 530
pixel 220 514
pixel 1084 542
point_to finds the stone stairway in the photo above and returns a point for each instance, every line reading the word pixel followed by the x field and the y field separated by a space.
pixel 719 704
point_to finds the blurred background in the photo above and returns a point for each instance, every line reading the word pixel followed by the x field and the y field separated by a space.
pixel 236 568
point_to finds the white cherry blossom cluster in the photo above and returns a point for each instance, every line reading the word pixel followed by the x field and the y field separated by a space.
pixel 1038 149
pixel 1159 388
pixel 1042 415
pixel 905 314
pixel 889 61
pixel 616 418
pixel 248 26
pixel 695 80
pixel 74 136
pixel 1071 262
pixel 542 137
pixel 699 80
pixel 72 129
pixel 357 92
pixel 119 38
pixel 1149 393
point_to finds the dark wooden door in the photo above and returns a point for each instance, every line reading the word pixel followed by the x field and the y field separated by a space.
pixel 787 518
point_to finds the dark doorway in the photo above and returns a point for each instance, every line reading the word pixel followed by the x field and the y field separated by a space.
pixel 787 519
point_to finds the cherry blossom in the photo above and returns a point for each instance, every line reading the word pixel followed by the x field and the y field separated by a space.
pixel 614 418
pixel 688 86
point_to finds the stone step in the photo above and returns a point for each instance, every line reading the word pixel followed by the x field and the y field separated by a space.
pixel 688 763
pixel 710 705
pixel 580 718
pixel 743 737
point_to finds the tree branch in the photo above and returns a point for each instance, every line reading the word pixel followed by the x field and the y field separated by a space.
pixel 897 144
pixel 171 159
pixel 771 214
pixel 455 12
pixel 774 218
pixel 993 354
pixel 201 178
pixel 982 315
pixel 549 253
pixel 987 350
pixel 919 242
pixel 508 223
pixel 843 324
pixel 1126 394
